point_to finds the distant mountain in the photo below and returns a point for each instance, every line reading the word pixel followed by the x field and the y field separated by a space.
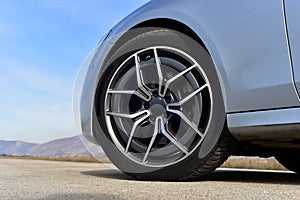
pixel 14 147
pixel 61 147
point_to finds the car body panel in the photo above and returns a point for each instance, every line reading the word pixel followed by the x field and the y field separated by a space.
pixel 247 43
pixel 292 17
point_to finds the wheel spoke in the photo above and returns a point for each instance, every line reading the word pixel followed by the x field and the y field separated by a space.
pixel 132 92
pixel 181 102
pixel 174 78
pixel 135 125
pixel 159 72
pixel 172 139
pixel 130 116
pixel 140 80
pixel 155 133
pixel 190 123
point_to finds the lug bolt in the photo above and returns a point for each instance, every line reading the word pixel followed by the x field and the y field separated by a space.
pixel 146 105
pixel 168 99
pixel 155 93
pixel 152 118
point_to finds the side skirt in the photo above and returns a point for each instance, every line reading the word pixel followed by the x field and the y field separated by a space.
pixel 280 125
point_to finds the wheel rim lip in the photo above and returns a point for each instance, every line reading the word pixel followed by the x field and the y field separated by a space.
pixel 108 122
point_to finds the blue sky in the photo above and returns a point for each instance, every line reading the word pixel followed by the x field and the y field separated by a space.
pixel 42 44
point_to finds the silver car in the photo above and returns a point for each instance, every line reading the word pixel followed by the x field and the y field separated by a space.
pixel 178 86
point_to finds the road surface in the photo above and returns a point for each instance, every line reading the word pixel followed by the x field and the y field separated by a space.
pixel 35 179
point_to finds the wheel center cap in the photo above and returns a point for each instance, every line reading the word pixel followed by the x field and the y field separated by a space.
pixel 157 106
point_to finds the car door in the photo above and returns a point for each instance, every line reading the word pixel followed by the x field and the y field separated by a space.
pixel 293 29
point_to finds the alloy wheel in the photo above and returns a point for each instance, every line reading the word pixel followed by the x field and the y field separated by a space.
pixel 158 106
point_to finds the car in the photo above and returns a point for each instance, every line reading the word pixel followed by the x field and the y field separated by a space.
pixel 177 87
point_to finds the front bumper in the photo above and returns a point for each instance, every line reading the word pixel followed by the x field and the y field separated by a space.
pixel 84 90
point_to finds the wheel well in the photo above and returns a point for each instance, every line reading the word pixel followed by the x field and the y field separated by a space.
pixel 173 25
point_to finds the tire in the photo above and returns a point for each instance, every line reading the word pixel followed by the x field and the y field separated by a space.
pixel 292 163
pixel 149 129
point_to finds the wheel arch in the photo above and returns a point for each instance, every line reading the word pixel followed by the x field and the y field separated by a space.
pixel 187 26
pixel 173 25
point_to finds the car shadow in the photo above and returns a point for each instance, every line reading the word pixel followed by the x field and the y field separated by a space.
pixel 109 173
pixel 223 175
pixel 255 176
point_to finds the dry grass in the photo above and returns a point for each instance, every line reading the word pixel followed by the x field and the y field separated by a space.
pixel 253 163
pixel 232 162
pixel 87 159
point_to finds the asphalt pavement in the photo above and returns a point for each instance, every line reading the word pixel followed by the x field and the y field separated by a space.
pixel 37 179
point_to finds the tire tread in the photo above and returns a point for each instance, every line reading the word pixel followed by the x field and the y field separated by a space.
pixel 219 155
